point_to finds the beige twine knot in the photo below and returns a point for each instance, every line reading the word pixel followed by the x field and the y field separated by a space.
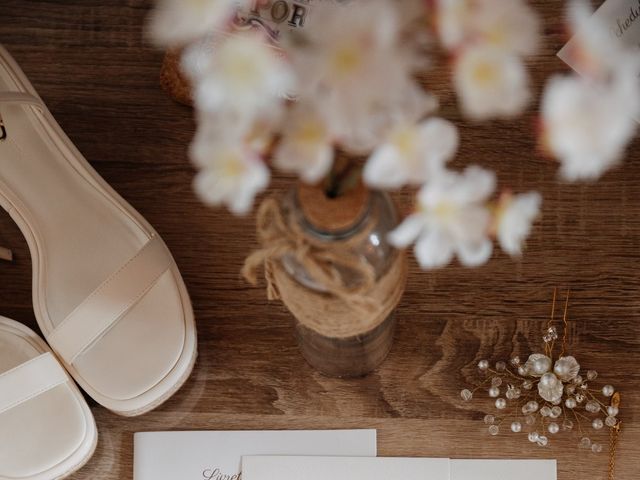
pixel 325 262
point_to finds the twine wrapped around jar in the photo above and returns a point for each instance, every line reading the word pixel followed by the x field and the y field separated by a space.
pixel 342 310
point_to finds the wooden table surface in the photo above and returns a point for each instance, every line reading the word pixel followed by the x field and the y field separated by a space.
pixel 90 63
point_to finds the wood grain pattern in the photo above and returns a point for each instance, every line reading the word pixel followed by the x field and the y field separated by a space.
pixel 99 77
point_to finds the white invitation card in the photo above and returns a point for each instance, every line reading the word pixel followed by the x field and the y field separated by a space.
pixel 623 19
pixel 385 468
pixel 503 469
pixel 344 468
pixel 216 455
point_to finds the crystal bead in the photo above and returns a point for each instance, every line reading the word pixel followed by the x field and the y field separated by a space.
pixel 483 365
pixel 494 430
pixel 489 419
pixel 515 361
pixel 585 442
pixel 597 423
pixel 567 424
pixel 608 390
pixel 496 381
pixel 592 406
pixel 553 331
pixel 611 421
pixel 612 411
pixel 533 437
pixel 501 366
pixel 545 411
pixel 592 375
pixel 596 448
pixel 466 395
pixel 553 428
pixel 543 441
pixel 494 392
pixel 516 427
pixel 527 384
pixel 556 412
pixel 570 402
pixel 580 397
pixel 546 338
pixel 513 392
pixel 501 403
pixel 530 420
pixel 522 370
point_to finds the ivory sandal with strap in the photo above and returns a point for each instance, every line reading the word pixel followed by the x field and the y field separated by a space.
pixel 107 293
pixel 46 428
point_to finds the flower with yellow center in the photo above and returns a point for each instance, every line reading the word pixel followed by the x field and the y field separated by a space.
pixel 491 83
pixel 412 154
pixel 230 173
pixel 306 147
pixel 452 220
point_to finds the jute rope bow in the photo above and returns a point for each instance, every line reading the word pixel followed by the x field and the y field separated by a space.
pixel 325 262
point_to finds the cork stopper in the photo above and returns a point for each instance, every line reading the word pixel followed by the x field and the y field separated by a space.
pixel 332 215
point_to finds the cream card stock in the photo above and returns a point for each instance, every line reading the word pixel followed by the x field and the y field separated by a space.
pixel 344 468
pixel 216 455
pixel 385 468
pixel 503 470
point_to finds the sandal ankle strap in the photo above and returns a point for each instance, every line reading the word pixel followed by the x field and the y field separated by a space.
pixel 21 98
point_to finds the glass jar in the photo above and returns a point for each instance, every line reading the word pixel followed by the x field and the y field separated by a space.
pixel 356 226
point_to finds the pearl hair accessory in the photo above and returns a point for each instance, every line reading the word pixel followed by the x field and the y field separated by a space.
pixel 547 395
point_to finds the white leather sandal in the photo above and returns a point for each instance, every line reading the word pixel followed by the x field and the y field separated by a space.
pixel 46 428
pixel 107 294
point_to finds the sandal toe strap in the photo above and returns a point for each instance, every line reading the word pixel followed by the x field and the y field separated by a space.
pixel 29 380
pixel 110 302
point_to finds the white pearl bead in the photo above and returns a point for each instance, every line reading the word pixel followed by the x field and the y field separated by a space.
pixel 494 392
pixel 612 411
pixel 501 403
pixel 611 421
pixel 608 390
pixel 597 423
pixel 516 427
pixel 553 428
pixel 596 448
pixel 483 364
pixel 489 419
pixel 570 402
pixel 494 430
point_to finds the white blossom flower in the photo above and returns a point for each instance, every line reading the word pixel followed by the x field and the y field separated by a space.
pixel 508 25
pixel 231 172
pixel 452 219
pixel 454 22
pixel 246 75
pixel 178 22
pixel 491 83
pixel 355 67
pixel 586 126
pixel 412 154
pixel 306 147
pixel 515 215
